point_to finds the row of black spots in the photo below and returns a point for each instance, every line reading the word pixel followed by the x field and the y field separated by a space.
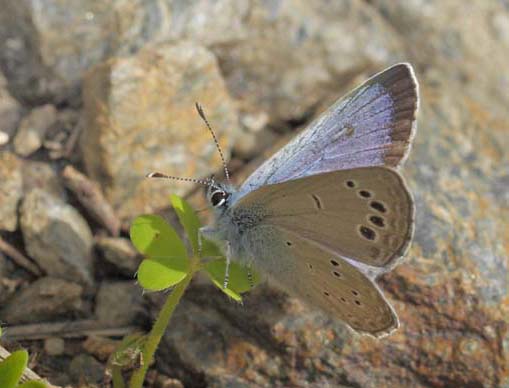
pixel 368 233
pixel 351 184
pixel 345 301
pixel 378 206
pixel 377 221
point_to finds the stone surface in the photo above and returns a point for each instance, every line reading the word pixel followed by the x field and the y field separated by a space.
pixel 33 128
pixel 295 53
pixel 45 299
pixel 10 112
pixel 10 189
pixel 41 175
pixel 54 346
pixel 40 61
pixel 451 293
pixel 85 369
pixel 251 143
pixel 118 303
pixel 119 252
pixel 57 237
pixel 140 117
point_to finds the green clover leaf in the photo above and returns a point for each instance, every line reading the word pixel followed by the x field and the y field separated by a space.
pixel 11 369
pixel 238 281
pixel 166 262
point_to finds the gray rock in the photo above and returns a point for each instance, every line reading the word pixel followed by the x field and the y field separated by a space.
pixel 252 143
pixel 295 53
pixel 54 346
pixel 118 303
pixel 119 252
pixel 10 112
pixel 33 128
pixel 41 175
pixel 452 290
pixel 10 190
pixel 145 120
pixel 45 299
pixel 57 237
pixel 41 62
pixel 85 369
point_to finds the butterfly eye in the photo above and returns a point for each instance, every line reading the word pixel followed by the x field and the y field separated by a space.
pixel 218 198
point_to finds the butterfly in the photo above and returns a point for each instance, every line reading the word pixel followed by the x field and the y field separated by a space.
pixel 329 212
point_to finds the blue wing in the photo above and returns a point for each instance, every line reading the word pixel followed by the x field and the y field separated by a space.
pixel 371 126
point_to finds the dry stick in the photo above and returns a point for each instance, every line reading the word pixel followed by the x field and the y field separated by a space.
pixel 72 140
pixel 19 258
pixel 67 329
pixel 91 197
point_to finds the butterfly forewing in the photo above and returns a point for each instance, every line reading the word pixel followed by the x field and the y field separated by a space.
pixel 371 126
pixel 364 214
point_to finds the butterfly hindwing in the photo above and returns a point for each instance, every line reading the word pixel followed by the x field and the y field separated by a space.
pixel 339 289
pixel 371 126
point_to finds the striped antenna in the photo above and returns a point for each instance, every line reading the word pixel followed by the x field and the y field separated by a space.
pixel 208 182
pixel 202 115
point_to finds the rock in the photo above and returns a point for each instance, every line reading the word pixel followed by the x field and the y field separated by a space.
pixel 119 252
pixel 10 112
pixel 33 128
pixel 293 54
pixel 10 191
pixel 45 299
pixel 57 237
pixel 3 265
pixel 85 369
pixel 145 120
pixel 54 346
pixel 42 175
pixel 118 303
pixel 451 293
pixel 100 347
pixel 251 143
pixel 41 62
pixel 167 382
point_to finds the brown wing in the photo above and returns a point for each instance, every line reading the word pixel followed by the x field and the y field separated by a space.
pixel 365 214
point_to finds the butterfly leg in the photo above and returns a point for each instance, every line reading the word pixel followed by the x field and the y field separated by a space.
pixel 200 243
pixel 250 276
pixel 227 269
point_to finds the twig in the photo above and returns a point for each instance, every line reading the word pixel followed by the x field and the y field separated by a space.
pixel 72 140
pixel 68 329
pixel 19 258
pixel 91 197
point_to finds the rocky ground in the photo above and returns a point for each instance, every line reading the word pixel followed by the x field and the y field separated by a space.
pixel 94 94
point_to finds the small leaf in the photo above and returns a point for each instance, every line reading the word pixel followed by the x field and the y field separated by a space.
pixel 33 384
pixel 238 277
pixel 191 223
pixel 188 219
pixel 12 368
pixel 152 236
pixel 211 250
pixel 159 273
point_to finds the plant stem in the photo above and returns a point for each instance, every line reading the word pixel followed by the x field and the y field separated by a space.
pixel 154 337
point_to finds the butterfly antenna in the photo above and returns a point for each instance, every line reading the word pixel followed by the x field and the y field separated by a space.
pixel 202 115
pixel 207 182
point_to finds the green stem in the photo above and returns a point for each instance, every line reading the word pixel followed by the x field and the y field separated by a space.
pixel 154 337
